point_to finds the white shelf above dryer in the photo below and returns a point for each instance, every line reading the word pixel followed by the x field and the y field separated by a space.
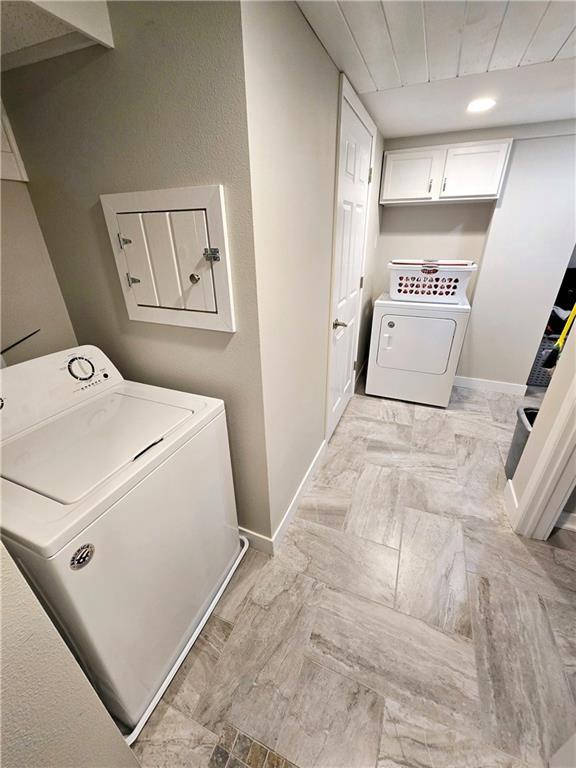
pixel 172 256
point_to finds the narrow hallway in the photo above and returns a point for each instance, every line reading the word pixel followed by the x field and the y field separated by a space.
pixel 402 623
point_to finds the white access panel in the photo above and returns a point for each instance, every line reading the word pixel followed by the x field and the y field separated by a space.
pixel 172 256
pixel 412 343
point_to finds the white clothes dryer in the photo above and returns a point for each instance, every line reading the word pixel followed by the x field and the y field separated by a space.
pixel 414 349
pixel 118 506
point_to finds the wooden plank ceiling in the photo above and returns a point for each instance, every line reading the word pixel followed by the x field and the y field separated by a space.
pixel 384 45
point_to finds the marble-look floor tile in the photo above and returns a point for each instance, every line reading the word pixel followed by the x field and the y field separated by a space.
pixel 230 604
pixel 258 669
pixel 373 512
pixel 362 405
pixel 325 506
pixel 527 707
pixel 332 722
pixel 170 739
pixel 561 538
pixel 527 564
pixel 196 672
pixel 432 573
pixel 446 497
pixel 479 464
pixel 558 564
pixel 504 448
pixel 481 428
pixel 433 433
pixel 398 656
pixel 341 560
pixel 562 617
pixel 379 408
pixel 411 460
pixel 468 401
pixel 412 741
pixel 503 407
pixel 389 432
pixel 343 463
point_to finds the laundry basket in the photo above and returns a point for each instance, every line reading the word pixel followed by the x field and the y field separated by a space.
pixel 440 282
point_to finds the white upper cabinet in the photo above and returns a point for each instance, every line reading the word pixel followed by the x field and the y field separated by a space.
pixel 413 175
pixel 471 171
pixel 172 256
pixel 475 170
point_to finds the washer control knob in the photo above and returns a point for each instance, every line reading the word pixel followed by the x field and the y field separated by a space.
pixel 391 324
pixel 81 368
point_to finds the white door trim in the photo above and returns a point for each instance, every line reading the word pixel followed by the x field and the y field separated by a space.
pixel 348 94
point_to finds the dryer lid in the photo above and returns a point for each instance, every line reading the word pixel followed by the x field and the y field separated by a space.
pixel 67 457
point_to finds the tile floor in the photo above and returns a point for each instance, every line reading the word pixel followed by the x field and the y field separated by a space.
pixel 401 625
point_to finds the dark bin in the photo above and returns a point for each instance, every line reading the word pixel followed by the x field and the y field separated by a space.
pixel 526 419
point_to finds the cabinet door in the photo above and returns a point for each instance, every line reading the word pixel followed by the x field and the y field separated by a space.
pixel 411 175
pixel 474 171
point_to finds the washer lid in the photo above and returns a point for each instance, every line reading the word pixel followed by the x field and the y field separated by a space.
pixel 67 457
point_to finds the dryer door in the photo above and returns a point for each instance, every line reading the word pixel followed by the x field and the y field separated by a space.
pixel 415 343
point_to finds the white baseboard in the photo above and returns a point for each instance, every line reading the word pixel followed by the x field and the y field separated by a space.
pixel 258 541
pixel 489 385
pixel 568 521
pixel 268 543
pixel 511 503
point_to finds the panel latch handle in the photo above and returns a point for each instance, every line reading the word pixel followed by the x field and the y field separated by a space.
pixel 212 254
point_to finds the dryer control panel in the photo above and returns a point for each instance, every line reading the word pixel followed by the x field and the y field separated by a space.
pixel 38 389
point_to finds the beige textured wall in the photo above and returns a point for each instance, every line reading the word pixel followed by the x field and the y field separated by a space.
pixel 292 102
pixel 30 294
pixel 51 716
pixel 522 244
pixel 528 248
pixel 165 108
pixel 440 231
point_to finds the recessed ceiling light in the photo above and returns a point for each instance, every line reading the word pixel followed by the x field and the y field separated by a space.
pixel 481 105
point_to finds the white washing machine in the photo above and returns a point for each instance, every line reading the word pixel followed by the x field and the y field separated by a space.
pixel 118 506
pixel 414 349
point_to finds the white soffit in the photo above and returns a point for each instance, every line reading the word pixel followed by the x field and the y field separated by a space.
pixel 417 64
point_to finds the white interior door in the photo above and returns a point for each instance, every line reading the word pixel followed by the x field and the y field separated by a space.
pixel 354 157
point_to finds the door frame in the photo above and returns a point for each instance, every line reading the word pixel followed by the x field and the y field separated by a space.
pixel 346 93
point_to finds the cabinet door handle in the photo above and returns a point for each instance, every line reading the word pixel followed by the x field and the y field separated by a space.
pixel 444 185
pixel 339 324
pixel 430 185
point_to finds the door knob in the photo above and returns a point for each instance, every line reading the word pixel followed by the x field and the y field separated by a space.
pixel 194 278
pixel 339 324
